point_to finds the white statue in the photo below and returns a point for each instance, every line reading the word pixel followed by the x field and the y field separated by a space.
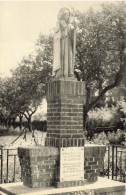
pixel 64 45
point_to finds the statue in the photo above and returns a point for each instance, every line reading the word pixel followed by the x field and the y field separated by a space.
pixel 64 45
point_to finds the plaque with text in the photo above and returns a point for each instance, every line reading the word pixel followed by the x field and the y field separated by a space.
pixel 71 164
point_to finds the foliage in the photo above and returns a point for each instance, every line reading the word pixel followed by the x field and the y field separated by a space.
pixel 18 97
pixel 8 107
pixel 100 61
pixel 122 106
pixel 117 138
pixel 23 92
pixel 100 139
pixel 101 58
pixel 32 75
pixel 108 119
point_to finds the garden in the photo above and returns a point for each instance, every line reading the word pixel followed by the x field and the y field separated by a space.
pixel 115 141
pixel 99 63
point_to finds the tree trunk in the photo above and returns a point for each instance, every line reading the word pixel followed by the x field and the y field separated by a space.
pixel 29 123
pixel 7 124
pixel 20 121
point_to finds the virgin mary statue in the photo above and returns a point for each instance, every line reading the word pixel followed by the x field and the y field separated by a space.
pixel 64 45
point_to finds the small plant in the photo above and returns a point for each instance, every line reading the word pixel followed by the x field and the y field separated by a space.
pixel 116 138
pixel 100 139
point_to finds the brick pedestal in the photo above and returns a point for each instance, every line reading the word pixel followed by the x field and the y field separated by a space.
pixel 41 166
pixel 38 165
pixel 65 100
pixel 93 159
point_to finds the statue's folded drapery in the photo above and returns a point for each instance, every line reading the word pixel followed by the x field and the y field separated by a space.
pixel 56 52
pixel 64 45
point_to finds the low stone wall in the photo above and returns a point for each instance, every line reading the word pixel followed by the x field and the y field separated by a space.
pixel 38 164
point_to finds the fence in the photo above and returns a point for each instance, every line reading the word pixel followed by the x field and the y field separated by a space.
pixel 10 170
pixel 114 164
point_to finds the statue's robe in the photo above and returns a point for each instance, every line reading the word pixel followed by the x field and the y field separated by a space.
pixel 63 49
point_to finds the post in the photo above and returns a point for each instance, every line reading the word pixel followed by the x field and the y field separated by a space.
pixel 14 166
pixel 112 162
pixel 108 159
pixel 7 163
pixel 1 165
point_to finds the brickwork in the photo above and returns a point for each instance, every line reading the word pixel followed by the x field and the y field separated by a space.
pixel 64 142
pixel 38 165
pixel 94 155
pixel 65 101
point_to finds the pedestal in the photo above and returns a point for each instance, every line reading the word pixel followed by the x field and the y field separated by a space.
pixel 38 165
pixel 93 161
pixel 64 161
pixel 65 100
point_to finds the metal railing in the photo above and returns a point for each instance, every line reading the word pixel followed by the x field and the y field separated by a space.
pixel 10 170
pixel 116 164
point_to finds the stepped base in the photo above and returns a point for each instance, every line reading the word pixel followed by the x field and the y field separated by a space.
pixel 66 184
pixel 102 186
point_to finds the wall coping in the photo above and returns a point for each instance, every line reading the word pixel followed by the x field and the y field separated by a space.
pixel 51 147
pixel 93 145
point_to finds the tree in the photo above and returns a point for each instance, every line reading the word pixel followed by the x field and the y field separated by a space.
pixel 31 77
pixel 100 58
pixel 7 93
pixel 29 90
pixel 101 51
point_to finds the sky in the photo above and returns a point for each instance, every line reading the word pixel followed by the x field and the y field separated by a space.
pixel 21 22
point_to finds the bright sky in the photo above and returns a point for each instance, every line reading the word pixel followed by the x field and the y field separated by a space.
pixel 22 22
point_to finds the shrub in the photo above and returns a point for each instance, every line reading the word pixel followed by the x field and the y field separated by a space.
pixel 104 117
pixel 116 138
pixel 100 139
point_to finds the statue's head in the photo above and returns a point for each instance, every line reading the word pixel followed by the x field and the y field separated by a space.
pixel 64 14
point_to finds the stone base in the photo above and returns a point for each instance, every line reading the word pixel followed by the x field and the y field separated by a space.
pixel 67 184
pixel 101 187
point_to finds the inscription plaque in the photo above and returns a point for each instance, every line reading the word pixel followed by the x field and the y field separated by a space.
pixel 71 164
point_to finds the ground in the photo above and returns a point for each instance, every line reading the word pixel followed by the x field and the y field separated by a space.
pixel 6 141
